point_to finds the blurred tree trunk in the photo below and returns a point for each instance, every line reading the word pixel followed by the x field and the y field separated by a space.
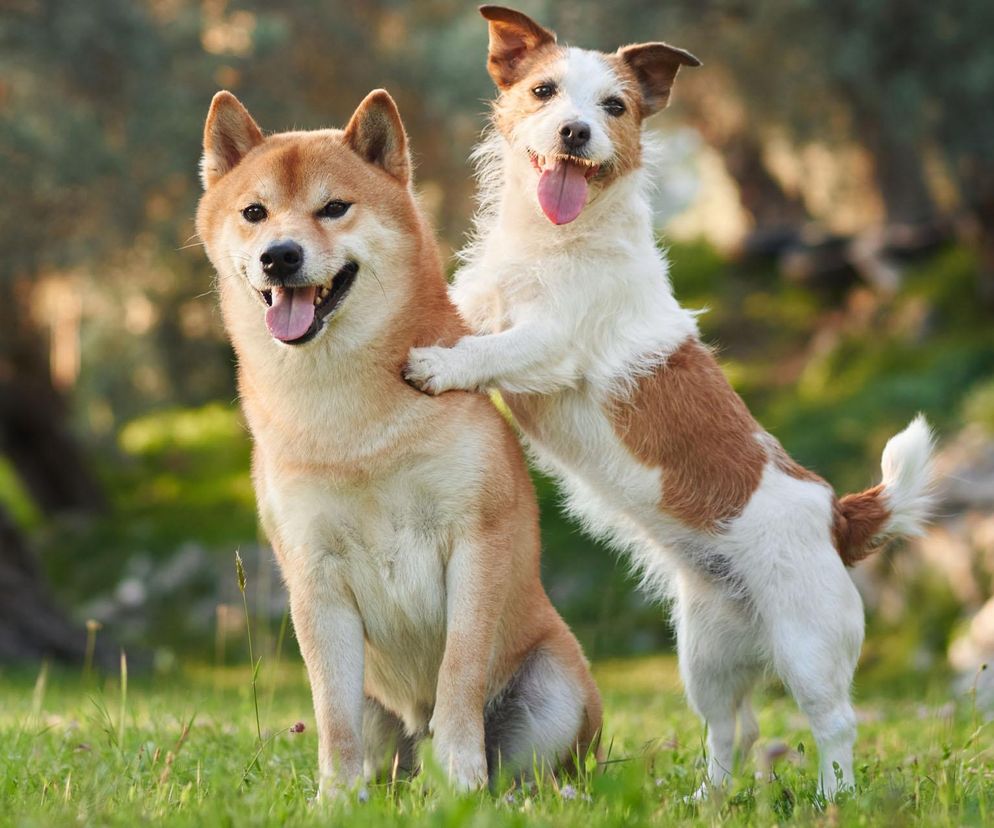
pixel 761 194
pixel 776 214
pixel 983 212
pixel 31 626
pixel 898 167
pixel 35 438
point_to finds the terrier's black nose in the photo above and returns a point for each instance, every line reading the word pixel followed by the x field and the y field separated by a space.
pixel 282 260
pixel 575 134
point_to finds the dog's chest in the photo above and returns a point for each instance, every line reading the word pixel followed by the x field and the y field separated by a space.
pixel 384 544
pixel 394 561
pixel 391 549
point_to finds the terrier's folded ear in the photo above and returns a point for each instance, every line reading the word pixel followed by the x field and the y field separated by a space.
pixel 655 65
pixel 513 36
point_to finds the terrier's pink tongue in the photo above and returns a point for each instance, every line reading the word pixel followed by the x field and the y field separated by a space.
pixel 292 312
pixel 562 191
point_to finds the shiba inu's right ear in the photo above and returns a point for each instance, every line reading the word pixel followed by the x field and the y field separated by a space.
pixel 512 36
pixel 229 133
pixel 376 134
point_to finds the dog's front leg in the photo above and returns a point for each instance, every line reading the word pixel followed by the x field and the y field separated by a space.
pixel 531 357
pixel 329 631
pixel 475 595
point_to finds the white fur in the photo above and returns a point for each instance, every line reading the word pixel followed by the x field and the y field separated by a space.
pixel 907 478
pixel 568 317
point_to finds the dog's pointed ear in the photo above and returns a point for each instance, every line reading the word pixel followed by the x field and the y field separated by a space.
pixel 512 36
pixel 655 65
pixel 376 134
pixel 229 134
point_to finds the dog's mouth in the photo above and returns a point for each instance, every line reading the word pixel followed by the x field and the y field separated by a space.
pixel 562 184
pixel 296 314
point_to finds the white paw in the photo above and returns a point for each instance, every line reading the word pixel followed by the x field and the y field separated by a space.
pixel 431 370
pixel 708 791
pixel 333 789
pixel 700 795
pixel 465 765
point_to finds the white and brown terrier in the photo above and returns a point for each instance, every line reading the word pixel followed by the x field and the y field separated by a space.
pixel 406 528
pixel 577 326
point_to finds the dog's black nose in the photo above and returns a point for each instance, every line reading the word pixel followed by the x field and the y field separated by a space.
pixel 575 134
pixel 282 260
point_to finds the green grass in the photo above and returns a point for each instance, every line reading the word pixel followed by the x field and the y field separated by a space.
pixel 180 750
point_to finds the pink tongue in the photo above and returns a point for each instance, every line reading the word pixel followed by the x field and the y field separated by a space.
pixel 292 312
pixel 562 191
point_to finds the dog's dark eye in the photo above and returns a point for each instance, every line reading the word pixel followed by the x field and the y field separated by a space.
pixel 544 91
pixel 334 209
pixel 254 213
pixel 615 107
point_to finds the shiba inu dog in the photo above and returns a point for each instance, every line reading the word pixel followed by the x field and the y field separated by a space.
pixel 405 527
pixel 577 326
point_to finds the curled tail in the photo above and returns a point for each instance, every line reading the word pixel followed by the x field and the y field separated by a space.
pixel 899 506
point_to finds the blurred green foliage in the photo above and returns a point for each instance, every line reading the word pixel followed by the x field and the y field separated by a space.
pixel 101 112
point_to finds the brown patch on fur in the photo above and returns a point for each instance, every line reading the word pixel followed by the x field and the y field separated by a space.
pixel 626 130
pixel 516 101
pixel 856 520
pixel 289 166
pixel 686 419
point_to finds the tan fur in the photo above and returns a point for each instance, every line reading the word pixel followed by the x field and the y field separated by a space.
pixel 516 100
pixel 517 44
pixel 857 519
pixel 334 426
pixel 654 67
pixel 685 419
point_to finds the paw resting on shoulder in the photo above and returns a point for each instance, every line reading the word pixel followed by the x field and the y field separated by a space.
pixel 435 370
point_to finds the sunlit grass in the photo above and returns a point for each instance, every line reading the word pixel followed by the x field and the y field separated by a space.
pixel 184 751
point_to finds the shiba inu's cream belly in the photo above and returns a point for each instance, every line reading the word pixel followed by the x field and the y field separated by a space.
pixel 384 547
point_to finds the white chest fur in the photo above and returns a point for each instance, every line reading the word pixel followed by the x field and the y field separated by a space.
pixel 381 545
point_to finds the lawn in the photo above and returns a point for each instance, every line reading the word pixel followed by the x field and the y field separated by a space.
pixel 183 749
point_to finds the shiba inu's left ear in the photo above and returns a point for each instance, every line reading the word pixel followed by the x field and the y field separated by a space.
pixel 376 134
pixel 229 134
pixel 655 65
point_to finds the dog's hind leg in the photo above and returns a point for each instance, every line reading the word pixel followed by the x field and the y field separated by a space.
pixel 548 714
pixel 388 750
pixel 816 643
pixel 719 665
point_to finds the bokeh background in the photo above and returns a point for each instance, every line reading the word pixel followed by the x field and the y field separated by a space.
pixel 828 194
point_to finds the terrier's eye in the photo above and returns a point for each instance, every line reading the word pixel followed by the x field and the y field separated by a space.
pixel 254 213
pixel 615 107
pixel 336 208
pixel 544 91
